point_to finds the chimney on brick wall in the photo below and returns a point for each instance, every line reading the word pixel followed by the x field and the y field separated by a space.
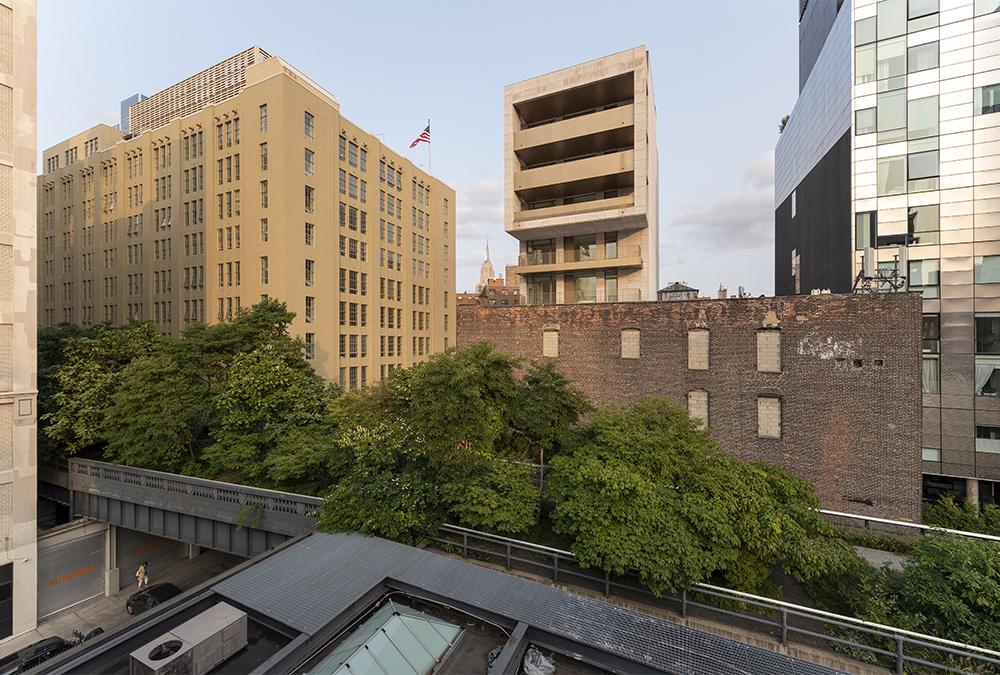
pixel 722 292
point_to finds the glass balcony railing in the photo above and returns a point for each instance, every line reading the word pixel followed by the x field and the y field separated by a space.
pixel 537 258
pixel 590 254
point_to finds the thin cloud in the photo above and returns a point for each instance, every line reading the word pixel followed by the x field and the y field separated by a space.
pixel 479 211
pixel 741 219
pixel 760 172
pixel 101 114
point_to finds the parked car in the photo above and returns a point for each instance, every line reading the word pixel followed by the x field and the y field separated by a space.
pixel 150 597
pixel 27 658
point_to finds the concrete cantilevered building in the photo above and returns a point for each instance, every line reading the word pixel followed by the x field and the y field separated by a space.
pixel 581 181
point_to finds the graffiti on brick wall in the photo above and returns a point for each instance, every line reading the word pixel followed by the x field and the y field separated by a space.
pixel 825 347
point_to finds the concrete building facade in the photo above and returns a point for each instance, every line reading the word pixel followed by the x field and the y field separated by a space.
pixel 826 386
pixel 581 181
pixel 908 92
pixel 18 370
pixel 244 182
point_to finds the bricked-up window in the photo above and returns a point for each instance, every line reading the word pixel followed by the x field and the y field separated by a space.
pixel 769 350
pixel 630 343
pixel 550 343
pixel 768 417
pixel 698 339
pixel 698 405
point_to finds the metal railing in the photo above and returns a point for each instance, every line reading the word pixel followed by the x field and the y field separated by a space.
pixel 536 258
pixel 889 525
pixel 783 620
pixel 596 254
pixel 294 514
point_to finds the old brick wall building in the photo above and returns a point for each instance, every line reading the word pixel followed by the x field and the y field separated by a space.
pixel 827 386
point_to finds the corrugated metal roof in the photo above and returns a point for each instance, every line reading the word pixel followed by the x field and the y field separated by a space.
pixel 309 584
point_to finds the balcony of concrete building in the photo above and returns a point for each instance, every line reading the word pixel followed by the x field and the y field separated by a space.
pixel 578 136
pixel 602 257
pixel 611 170
pixel 586 99
pixel 549 289
pixel 556 208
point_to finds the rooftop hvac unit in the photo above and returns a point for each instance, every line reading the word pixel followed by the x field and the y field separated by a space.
pixel 194 647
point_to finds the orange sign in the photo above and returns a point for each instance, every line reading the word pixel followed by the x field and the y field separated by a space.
pixel 83 571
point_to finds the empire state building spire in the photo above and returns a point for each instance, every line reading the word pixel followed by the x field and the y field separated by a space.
pixel 486 271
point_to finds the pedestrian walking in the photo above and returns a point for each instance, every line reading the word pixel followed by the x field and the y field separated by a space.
pixel 142 574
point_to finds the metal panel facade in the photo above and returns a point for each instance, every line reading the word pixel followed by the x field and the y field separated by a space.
pixel 70 572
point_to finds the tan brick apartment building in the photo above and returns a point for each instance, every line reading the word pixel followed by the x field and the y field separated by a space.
pixel 242 182
pixel 827 386
pixel 581 181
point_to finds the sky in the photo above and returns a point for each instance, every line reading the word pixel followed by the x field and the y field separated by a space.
pixel 724 73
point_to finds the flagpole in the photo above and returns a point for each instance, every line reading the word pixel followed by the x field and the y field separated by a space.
pixel 429 170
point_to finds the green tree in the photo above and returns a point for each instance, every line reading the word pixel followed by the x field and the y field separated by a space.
pixel 963 515
pixel 89 376
pixel 52 344
pixel 430 445
pixel 264 397
pixel 384 489
pixel 950 587
pixel 645 488
pixel 207 350
pixel 545 411
pixel 155 416
pixel 242 387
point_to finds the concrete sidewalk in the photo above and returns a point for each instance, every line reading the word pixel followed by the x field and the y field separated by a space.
pixel 109 612
pixel 877 558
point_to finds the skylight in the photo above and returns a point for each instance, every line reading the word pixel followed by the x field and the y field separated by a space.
pixel 396 639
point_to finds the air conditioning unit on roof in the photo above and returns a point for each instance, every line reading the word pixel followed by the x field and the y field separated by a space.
pixel 196 646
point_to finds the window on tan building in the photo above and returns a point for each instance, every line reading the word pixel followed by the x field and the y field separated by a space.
pixel 768 417
pixel 698 339
pixel 698 405
pixel 769 350
pixel 550 343
pixel 630 343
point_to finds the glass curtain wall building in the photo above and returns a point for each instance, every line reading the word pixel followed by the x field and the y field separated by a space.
pixel 921 136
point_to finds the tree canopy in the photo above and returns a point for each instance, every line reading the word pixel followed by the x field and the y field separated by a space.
pixel 950 587
pixel 235 399
pixel 434 443
pixel 644 487
pixel 963 515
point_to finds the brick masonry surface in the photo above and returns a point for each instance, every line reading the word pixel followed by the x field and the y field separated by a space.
pixel 849 384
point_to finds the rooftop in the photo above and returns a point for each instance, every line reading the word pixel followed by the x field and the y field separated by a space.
pixel 327 597
pixel 677 287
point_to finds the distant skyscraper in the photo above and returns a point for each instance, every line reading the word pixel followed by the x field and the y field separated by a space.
pixel 126 105
pixel 486 271
pixel 581 181
pixel 894 147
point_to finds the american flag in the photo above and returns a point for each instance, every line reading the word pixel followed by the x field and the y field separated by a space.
pixel 424 137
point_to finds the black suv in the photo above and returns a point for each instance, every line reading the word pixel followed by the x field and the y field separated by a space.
pixel 27 658
pixel 150 597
